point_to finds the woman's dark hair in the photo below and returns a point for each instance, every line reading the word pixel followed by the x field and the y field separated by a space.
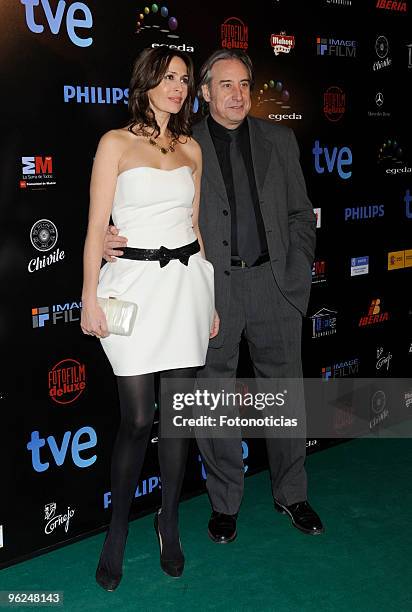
pixel 149 69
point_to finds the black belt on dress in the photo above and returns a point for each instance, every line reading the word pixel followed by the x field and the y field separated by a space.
pixel 242 264
pixel 163 255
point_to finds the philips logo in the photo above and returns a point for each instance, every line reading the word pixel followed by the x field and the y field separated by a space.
pixel 95 95
pixel 364 212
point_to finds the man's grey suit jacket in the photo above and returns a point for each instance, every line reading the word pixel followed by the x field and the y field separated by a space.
pixel 288 217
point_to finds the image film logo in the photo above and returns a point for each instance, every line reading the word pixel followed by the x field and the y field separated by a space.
pixel 36 172
pixel 324 323
pixel 234 34
pixel 335 47
pixel 56 314
pixel 77 16
pixel 341 369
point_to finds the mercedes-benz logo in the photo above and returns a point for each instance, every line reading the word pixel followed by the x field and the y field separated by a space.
pixel 379 98
pixel 381 46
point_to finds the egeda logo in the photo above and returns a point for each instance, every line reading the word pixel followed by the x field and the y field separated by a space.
pixel 326 159
pixel 78 15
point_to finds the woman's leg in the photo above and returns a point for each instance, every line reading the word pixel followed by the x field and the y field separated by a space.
pixel 137 399
pixel 172 460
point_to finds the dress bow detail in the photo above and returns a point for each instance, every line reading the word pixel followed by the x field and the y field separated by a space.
pixel 166 255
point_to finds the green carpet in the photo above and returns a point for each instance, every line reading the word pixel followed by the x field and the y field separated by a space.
pixel 361 489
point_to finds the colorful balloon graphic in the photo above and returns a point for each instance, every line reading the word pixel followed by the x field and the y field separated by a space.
pixel 172 23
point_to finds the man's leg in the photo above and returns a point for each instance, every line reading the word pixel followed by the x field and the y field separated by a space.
pixel 273 332
pixel 223 456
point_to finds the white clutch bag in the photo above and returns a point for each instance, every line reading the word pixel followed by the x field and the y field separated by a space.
pixel 120 315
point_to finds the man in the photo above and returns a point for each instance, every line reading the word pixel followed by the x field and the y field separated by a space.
pixel 258 228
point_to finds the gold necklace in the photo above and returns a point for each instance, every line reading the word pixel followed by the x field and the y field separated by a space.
pixel 163 150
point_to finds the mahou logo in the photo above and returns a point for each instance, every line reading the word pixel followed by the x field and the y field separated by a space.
pixel 281 43
pixel 67 381
pixel 234 34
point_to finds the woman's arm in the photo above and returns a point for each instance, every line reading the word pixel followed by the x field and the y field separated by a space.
pixel 102 189
pixel 197 178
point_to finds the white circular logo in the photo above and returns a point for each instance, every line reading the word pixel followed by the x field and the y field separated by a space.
pixel 381 46
pixel 379 98
pixel 43 235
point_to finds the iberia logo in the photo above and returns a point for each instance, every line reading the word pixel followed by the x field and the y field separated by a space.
pixel 375 314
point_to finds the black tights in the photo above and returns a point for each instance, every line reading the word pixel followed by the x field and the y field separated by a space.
pixel 137 398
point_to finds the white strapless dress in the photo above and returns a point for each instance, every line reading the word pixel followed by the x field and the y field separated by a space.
pixel 153 207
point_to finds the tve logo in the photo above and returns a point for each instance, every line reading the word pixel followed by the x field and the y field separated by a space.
pixel 58 453
pixel 336 158
pixel 84 19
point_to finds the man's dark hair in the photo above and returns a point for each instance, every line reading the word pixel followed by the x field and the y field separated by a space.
pixel 149 69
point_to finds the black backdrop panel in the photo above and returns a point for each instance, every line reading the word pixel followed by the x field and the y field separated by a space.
pixel 337 72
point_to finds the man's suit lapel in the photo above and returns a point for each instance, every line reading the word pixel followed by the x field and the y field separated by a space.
pixel 211 167
pixel 261 149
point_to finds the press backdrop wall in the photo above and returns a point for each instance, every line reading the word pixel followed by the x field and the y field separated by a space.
pixel 337 71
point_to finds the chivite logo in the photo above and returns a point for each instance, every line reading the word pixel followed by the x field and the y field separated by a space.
pixel 44 316
pixel 328 159
pixel 76 16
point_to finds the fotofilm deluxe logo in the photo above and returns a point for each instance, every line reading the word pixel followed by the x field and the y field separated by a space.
pixel 66 381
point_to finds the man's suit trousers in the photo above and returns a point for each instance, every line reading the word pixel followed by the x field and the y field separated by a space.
pixel 272 328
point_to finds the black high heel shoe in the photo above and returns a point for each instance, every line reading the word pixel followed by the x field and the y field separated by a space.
pixel 171 567
pixel 108 581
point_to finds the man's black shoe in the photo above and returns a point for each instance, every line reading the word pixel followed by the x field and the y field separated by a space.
pixel 303 517
pixel 222 527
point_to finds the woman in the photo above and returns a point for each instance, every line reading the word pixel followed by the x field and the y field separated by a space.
pixel 147 176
